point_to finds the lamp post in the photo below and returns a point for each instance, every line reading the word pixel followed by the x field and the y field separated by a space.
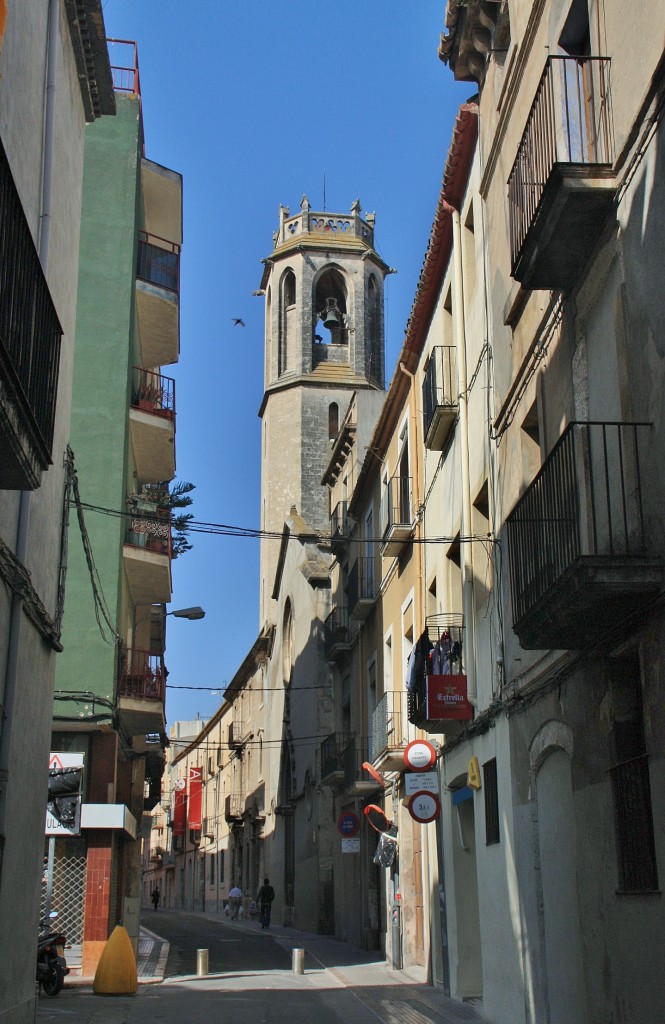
pixel 188 613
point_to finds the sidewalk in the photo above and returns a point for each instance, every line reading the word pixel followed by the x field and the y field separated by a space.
pixel 330 963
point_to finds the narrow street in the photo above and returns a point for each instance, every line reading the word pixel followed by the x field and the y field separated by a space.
pixel 251 977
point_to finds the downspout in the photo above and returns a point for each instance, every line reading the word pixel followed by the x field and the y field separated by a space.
pixel 466 546
pixel 23 526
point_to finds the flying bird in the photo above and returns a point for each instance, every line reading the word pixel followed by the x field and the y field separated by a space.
pixel 237 322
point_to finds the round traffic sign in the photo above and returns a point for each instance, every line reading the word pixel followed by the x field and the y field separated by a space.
pixel 420 755
pixel 424 807
pixel 348 825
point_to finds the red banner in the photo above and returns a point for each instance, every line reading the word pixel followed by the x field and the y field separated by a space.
pixel 447 698
pixel 195 787
pixel 180 810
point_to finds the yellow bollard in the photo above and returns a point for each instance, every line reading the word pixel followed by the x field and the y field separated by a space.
pixel 116 970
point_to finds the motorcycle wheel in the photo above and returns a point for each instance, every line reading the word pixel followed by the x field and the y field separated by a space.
pixel 55 981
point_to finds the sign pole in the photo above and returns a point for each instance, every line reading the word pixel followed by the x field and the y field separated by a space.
pixel 49 878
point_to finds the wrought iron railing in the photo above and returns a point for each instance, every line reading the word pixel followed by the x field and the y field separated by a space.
pixel 569 123
pixel 141 675
pixel 154 393
pixel 389 723
pixel 124 60
pixel 234 806
pixel 150 529
pixel 440 383
pixel 158 261
pixel 353 756
pixel 30 331
pixel 361 581
pixel 585 501
pixel 332 753
pixel 339 522
pixel 396 504
pixel 335 629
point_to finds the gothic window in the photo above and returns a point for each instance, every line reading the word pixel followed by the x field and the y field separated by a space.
pixel 333 421
pixel 287 340
pixel 373 340
pixel 287 644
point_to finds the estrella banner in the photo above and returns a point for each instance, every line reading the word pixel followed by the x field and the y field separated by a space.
pixel 195 787
pixel 447 698
pixel 179 810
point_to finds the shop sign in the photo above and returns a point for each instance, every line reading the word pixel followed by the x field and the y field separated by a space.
pixel 473 774
pixel 195 793
pixel 447 699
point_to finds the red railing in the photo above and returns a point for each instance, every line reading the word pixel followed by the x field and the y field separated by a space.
pixel 142 675
pixel 124 60
pixel 154 393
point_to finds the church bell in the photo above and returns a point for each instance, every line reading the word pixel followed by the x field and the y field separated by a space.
pixel 331 319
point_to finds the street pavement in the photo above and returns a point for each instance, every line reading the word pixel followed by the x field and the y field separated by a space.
pixel 251 975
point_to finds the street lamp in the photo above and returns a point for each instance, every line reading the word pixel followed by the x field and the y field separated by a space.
pixel 188 613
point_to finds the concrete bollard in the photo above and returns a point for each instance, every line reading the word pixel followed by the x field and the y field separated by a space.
pixel 201 963
pixel 298 961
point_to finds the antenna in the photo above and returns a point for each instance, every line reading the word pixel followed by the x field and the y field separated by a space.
pixel 324 190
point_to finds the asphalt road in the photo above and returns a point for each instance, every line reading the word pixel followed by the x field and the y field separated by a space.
pixel 230 948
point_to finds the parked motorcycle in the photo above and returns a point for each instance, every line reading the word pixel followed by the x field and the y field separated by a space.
pixel 52 968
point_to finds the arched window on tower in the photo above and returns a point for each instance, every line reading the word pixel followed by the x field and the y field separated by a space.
pixel 331 304
pixel 333 421
pixel 287 340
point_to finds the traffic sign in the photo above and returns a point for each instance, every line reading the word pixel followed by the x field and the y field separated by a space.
pixel 424 807
pixel 420 755
pixel 417 781
pixel 348 824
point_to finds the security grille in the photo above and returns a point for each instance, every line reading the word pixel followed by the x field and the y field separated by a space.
pixel 69 893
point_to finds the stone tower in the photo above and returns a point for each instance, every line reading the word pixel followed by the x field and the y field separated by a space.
pixel 324 339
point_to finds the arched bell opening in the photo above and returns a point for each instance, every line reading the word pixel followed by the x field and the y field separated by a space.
pixel 331 309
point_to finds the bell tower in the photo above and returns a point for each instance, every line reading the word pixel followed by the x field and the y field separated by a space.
pixel 324 339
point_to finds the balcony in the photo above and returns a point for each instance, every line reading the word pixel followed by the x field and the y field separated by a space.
pixel 389 732
pixel 361 590
pixel 147 555
pixel 240 732
pixel 397 520
pixel 339 529
pixel 332 760
pixel 560 189
pixel 579 559
pixel 152 425
pixel 357 782
pixel 158 299
pixel 437 699
pixel 440 396
pixel 234 808
pixel 30 335
pixel 336 634
pixel 141 694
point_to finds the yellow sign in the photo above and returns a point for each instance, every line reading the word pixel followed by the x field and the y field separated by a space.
pixel 473 774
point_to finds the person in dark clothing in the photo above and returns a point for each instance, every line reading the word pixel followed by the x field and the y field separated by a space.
pixel 155 897
pixel 264 898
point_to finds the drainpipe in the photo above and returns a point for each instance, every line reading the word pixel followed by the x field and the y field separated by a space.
pixel 463 399
pixel 23 527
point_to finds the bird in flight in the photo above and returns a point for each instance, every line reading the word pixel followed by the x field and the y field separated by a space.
pixel 237 322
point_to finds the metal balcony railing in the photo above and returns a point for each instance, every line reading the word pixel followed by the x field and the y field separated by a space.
pixel 569 123
pixel 353 756
pixel 158 261
pixel 332 754
pixel 586 501
pixel 150 529
pixel 234 806
pixel 335 630
pixel 124 60
pixel 30 332
pixel 339 522
pixel 440 385
pixel 396 504
pixel 141 675
pixel 361 582
pixel 154 393
pixel 389 724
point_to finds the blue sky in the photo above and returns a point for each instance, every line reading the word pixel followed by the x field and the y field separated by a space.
pixel 256 102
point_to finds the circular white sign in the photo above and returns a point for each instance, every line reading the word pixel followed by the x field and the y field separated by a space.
pixel 420 755
pixel 424 807
pixel 179 784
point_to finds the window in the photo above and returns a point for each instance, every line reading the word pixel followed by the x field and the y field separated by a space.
pixel 287 644
pixel 333 421
pixel 631 787
pixel 491 791
pixel 212 869
pixel 220 866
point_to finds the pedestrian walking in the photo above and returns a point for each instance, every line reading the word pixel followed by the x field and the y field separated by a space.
pixel 155 897
pixel 235 896
pixel 265 896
